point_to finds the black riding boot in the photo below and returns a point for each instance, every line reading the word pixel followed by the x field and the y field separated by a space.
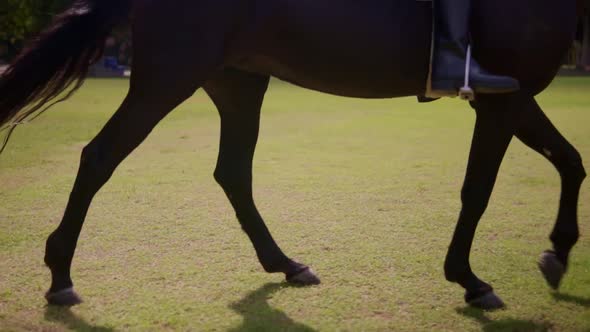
pixel 451 37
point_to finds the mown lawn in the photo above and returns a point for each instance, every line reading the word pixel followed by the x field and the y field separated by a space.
pixel 366 192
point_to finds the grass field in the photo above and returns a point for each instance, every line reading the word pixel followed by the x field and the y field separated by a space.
pixel 366 192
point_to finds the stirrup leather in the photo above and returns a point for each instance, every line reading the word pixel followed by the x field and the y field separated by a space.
pixel 466 92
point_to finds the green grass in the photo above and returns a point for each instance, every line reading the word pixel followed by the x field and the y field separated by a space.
pixel 366 192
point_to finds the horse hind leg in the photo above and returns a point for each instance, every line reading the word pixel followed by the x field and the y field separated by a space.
pixel 238 97
pixel 536 131
pixel 148 101
pixel 166 71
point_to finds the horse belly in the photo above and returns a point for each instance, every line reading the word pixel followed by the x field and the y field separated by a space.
pixel 370 49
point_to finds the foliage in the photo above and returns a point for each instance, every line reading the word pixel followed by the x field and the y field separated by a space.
pixel 22 18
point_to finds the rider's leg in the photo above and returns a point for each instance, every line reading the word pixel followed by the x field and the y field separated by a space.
pixel 451 38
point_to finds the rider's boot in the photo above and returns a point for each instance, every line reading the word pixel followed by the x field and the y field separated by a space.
pixel 451 39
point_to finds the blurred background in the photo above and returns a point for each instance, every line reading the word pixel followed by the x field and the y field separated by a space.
pixel 21 19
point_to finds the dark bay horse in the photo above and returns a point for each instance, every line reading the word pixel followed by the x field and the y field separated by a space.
pixel 366 49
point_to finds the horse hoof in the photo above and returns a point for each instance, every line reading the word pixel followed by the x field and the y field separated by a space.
pixel 65 298
pixel 552 269
pixel 304 278
pixel 489 301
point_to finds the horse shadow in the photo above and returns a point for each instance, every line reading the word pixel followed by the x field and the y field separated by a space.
pixel 578 300
pixel 71 321
pixel 510 324
pixel 260 316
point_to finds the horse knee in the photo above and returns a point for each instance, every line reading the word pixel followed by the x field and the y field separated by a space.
pixel 564 239
pixel 452 270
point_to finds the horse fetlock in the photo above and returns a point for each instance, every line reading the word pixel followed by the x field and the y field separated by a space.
pixel 453 270
pixel 278 264
pixel 54 252
pixel 461 274
pixel 58 262
pixel 563 241
pixel 451 275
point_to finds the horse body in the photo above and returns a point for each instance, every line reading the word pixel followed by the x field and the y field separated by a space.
pixel 380 48
pixel 373 49
pixel 230 48
pixel 524 39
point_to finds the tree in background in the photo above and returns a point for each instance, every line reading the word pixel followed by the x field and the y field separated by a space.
pixel 584 59
pixel 20 19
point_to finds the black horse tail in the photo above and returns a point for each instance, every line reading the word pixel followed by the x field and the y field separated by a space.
pixel 56 60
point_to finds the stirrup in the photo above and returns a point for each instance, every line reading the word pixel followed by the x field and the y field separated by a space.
pixel 466 92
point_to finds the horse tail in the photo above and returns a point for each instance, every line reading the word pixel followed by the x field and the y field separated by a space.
pixel 57 60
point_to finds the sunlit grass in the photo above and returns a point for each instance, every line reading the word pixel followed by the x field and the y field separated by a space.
pixel 366 192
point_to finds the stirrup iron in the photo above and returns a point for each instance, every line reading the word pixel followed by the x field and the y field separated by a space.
pixel 466 92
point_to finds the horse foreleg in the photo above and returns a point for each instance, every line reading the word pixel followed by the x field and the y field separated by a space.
pixel 536 131
pixel 238 97
pixel 494 129
pixel 142 109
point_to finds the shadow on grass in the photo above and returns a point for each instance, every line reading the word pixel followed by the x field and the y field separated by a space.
pixel 490 325
pixel 71 321
pixel 581 301
pixel 260 316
